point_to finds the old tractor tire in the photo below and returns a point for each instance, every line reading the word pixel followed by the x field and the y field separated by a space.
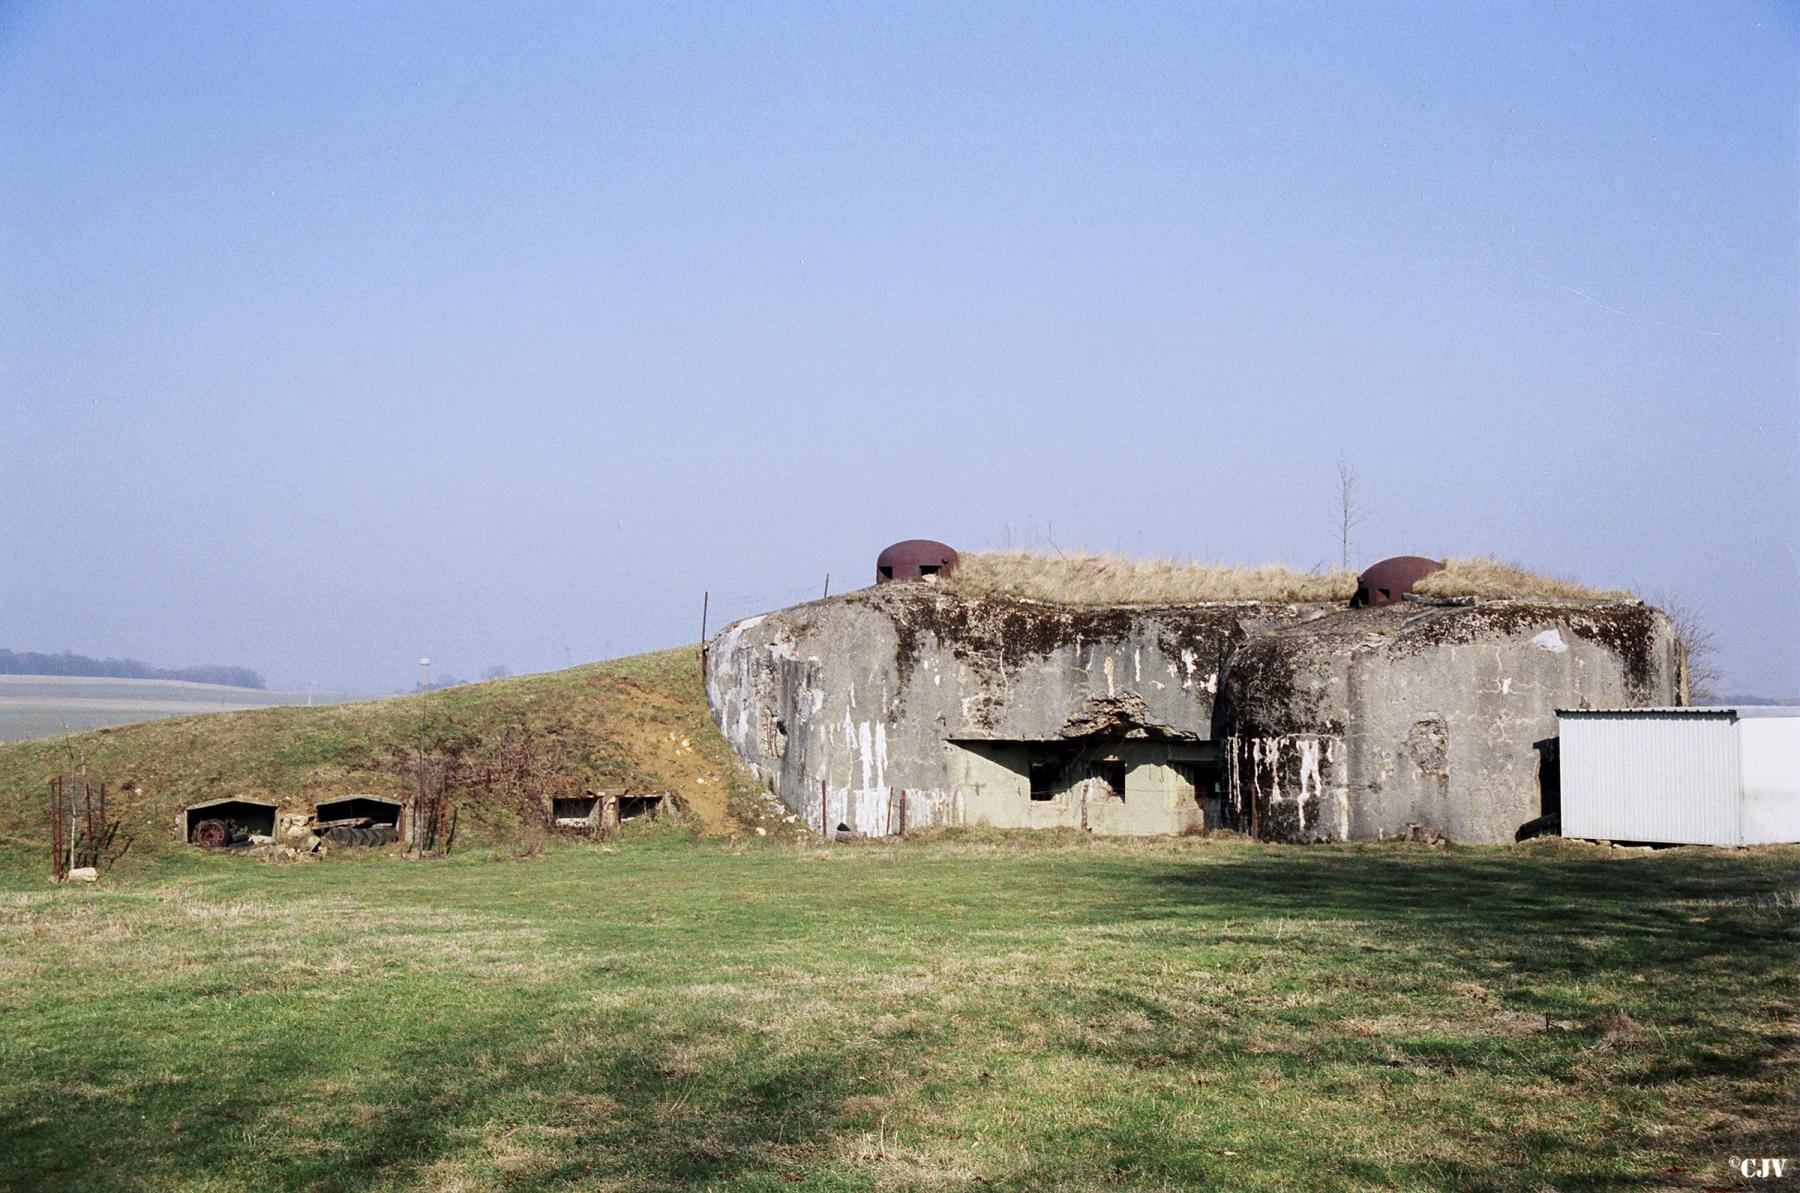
pixel 211 834
pixel 341 836
pixel 383 834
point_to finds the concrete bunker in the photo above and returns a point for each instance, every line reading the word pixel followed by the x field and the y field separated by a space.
pixel 358 819
pixel 220 823
pixel 1291 719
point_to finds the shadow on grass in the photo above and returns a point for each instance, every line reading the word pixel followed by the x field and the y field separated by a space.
pixel 636 1110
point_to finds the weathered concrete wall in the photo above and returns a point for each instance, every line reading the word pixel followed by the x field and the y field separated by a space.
pixel 1358 725
pixel 1329 723
pixel 864 693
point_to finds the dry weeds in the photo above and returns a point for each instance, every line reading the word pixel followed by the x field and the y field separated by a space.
pixel 1081 578
pixel 1486 576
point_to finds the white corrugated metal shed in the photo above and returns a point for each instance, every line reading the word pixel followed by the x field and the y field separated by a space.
pixel 1703 775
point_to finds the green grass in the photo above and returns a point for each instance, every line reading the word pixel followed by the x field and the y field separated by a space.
pixel 1022 1014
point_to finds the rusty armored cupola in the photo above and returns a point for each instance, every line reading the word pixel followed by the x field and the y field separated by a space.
pixel 1390 580
pixel 914 559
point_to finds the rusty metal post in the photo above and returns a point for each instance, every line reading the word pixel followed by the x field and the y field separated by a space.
pixel 827 585
pixel 56 828
pixel 705 607
pixel 903 811
pixel 824 817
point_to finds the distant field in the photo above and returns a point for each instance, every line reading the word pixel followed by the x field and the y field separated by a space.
pixel 33 706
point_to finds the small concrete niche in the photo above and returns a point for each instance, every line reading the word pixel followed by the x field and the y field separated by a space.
pixel 578 811
pixel 1045 779
pixel 1203 779
pixel 376 809
pixel 241 818
pixel 1110 774
pixel 631 807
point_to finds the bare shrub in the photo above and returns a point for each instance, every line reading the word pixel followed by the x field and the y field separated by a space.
pixel 508 781
pixel 1701 678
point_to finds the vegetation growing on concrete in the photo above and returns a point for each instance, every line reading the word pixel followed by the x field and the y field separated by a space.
pixel 1015 1013
pixel 1486 576
pixel 1082 578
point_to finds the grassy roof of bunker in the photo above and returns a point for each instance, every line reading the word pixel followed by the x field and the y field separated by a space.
pixel 1081 578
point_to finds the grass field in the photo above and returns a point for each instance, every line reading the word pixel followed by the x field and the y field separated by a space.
pixel 34 706
pixel 1038 1013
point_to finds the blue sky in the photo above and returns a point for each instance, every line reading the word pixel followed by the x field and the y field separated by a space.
pixel 332 334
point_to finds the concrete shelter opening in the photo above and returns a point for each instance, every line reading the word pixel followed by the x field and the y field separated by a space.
pixel 239 817
pixel 633 806
pixel 376 809
pixel 578 811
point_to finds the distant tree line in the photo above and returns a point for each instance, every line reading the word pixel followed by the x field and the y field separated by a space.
pixel 27 662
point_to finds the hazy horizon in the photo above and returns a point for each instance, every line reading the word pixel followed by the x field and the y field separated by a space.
pixel 330 338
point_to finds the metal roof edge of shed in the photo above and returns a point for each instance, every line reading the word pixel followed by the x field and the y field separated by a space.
pixel 1740 711
pixel 380 799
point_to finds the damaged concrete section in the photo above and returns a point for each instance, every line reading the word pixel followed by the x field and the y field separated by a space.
pixel 910 705
pixel 1367 722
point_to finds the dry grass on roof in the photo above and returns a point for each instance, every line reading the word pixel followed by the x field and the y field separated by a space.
pixel 1083 578
pixel 1079 578
pixel 1486 576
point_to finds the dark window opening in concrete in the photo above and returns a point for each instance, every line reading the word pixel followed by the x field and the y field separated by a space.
pixel 576 811
pixel 928 569
pixel 633 806
pixel 227 822
pixel 886 572
pixel 1204 777
pixel 1045 777
pixel 1112 774
pixel 371 810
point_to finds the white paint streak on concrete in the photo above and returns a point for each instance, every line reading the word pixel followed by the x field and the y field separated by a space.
pixel 1551 641
pixel 1109 677
pixel 1188 661
pixel 1311 782
pixel 1341 792
pixel 1137 664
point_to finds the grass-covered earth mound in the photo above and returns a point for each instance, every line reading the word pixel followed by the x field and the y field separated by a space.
pixel 637 725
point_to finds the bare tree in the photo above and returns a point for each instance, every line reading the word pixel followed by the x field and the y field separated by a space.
pixel 1697 653
pixel 1350 511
